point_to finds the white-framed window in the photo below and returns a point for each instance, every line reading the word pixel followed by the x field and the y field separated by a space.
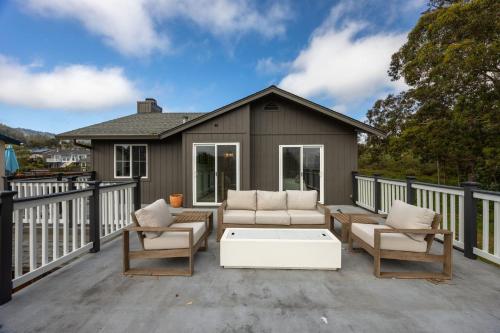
pixel 301 168
pixel 216 169
pixel 131 160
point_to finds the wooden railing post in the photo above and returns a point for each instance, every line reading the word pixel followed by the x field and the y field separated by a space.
pixel 354 187
pixel 93 175
pixel 94 217
pixel 410 192
pixel 137 193
pixel 59 177
pixel 377 194
pixel 470 222
pixel 6 210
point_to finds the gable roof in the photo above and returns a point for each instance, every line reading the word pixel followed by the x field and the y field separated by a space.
pixel 138 125
pixel 163 125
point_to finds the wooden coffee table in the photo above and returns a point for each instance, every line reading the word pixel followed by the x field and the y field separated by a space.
pixel 345 220
pixel 196 215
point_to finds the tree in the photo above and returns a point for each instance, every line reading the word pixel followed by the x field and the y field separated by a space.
pixel 451 63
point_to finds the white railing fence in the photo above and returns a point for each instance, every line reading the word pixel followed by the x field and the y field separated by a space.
pixel 52 225
pixel 473 219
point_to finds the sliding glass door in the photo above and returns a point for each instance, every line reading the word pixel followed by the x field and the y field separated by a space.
pixel 215 170
pixel 301 168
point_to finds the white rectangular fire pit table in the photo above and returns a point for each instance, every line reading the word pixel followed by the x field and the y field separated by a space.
pixel 280 248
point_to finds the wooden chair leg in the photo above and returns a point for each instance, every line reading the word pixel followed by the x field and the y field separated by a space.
pixel 350 243
pixel 376 265
pixel 191 264
pixel 126 251
pixel 448 252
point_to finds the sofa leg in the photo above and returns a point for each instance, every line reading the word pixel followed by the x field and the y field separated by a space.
pixel 350 243
pixel 376 265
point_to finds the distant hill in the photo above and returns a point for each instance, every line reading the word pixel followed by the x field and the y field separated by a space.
pixel 30 137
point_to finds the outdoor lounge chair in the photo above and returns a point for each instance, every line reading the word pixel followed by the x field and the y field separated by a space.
pixel 401 239
pixel 173 239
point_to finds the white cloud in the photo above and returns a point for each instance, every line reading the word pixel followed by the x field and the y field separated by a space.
pixel 269 66
pixel 343 62
pixel 133 27
pixel 73 87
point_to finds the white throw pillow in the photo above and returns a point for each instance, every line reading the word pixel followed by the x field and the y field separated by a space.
pixel 301 200
pixel 156 214
pixel 405 216
pixel 241 200
pixel 270 200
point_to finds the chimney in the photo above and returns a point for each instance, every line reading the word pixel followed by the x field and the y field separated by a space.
pixel 148 106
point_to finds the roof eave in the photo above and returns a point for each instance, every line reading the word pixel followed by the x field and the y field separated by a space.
pixel 106 137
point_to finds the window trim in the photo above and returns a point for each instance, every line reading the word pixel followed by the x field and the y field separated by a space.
pixel 215 144
pixel 321 198
pixel 130 162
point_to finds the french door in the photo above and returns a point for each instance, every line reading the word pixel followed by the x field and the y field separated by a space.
pixel 216 169
pixel 301 168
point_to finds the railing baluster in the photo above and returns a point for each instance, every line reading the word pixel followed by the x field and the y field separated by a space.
pixel 496 229
pixel 65 220
pixel 45 236
pixel 460 218
pixel 74 226
pixel 453 215
pixel 18 243
pixel 486 225
pixel 33 242
pixel 55 230
pixel 445 211
pixel 82 221
pixel 419 199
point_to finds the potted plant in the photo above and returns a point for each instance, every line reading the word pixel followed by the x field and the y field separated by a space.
pixel 176 200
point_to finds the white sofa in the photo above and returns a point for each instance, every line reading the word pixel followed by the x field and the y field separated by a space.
pixel 261 209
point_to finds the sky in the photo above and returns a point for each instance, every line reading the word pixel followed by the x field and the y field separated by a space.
pixel 66 64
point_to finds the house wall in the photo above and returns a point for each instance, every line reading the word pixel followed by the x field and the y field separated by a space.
pixel 295 124
pixel 164 166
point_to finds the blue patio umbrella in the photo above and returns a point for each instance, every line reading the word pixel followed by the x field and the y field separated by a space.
pixel 11 164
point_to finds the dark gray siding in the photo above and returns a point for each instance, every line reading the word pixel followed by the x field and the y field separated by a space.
pixel 294 124
pixel 233 126
pixel 165 166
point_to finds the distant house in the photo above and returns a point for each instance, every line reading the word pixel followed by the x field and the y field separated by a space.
pixel 4 139
pixel 61 158
pixel 270 140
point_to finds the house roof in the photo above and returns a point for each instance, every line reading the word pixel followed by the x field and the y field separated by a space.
pixel 139 125
pixel 8 139
pixel 162 125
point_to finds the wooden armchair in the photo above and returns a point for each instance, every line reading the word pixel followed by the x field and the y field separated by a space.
pixel 191 247
pixel 378 252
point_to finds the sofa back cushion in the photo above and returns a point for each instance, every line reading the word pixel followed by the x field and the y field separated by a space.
pixel 271 200
pixel 405 216
pixel 156 214
pixel 301 200
pixel 241 200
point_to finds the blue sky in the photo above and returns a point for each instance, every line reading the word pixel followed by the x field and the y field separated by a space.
pixel 65 64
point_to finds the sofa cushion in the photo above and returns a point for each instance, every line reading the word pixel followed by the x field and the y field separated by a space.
pixel 156 214
pixel 300 200
pixel 239 216
pixel 306 217
pixel 271 200
pixel 405 216
pixel 280 217
pixel 398 242
pixel 245 200
pixel 176 239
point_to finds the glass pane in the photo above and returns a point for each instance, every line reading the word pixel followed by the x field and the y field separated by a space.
pixel 291 168
pixel 311 173
pixel 226 173
pixel 139 161
pixel 122 161
pixel 205 173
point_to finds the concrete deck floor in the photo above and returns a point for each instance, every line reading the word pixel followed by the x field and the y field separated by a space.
pixel 91 295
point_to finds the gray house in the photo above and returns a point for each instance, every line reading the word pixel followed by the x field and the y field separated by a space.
pixel 270 140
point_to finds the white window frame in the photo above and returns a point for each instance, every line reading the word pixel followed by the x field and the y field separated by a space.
pixel 215 144
pixel 321 167
pixel 130 145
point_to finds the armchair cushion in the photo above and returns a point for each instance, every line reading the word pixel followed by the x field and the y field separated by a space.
pixel 272 217
pixel 242 200
pixel 392 241
pixel 301 200
pixel 176 239
pixel 306 217
pixel 271 200
pixel 239 216
pixel 156 214
pixel 405 216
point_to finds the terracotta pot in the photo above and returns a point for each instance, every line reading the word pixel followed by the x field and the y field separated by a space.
pixel 176 200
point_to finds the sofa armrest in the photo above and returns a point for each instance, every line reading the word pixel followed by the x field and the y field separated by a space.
pixel 128 229
pixel 378 233
pixel 326 211
pixel 220 212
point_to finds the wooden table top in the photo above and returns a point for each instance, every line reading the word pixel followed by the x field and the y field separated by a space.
pixel 354 218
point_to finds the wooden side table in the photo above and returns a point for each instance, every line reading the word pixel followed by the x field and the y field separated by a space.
pixel 345 221
pixel 195 215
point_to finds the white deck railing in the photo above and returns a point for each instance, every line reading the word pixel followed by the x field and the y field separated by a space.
pixel 445 200
pixel 52 226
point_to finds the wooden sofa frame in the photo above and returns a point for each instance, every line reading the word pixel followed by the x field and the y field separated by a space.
pixel 221 226
pixel 379 254
pixel 189 252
